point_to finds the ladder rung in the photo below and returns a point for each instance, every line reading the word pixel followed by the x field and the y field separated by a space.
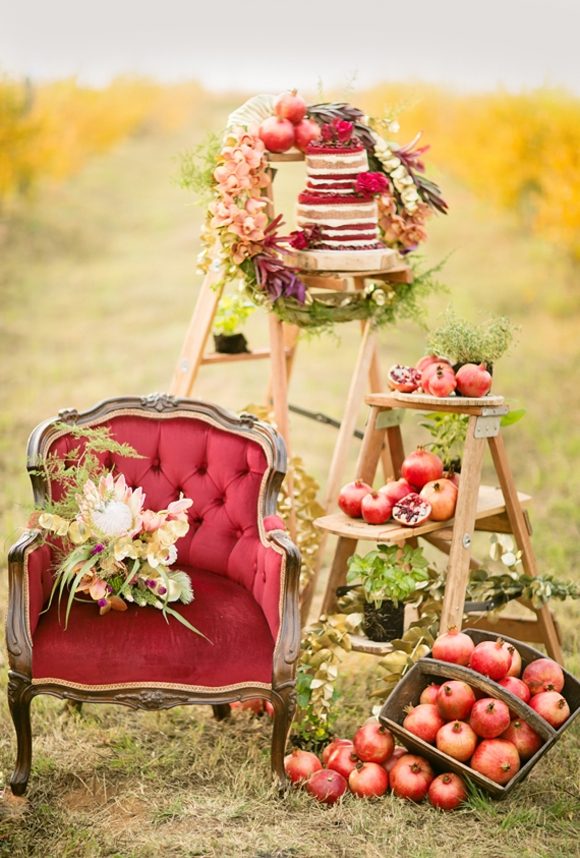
pixel 258 354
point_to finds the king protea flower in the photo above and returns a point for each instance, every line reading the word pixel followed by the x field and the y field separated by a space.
pixel 110 507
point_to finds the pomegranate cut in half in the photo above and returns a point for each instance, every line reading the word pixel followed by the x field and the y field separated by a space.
pixel 406 379
pixel 412 510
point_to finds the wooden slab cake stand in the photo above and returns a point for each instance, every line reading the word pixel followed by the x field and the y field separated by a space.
pixel 479 507
pixel 283 340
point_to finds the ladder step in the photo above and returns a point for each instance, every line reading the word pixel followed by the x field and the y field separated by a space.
pixel 258 354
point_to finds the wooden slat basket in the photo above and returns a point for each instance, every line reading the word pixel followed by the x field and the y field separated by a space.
pixel 427 669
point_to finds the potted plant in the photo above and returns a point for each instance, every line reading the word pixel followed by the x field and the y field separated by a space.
pixel 387 577
pixel 463 342
pixel 232 312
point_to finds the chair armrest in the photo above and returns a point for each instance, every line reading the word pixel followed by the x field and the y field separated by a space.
pixel 287 598
pixel 29 580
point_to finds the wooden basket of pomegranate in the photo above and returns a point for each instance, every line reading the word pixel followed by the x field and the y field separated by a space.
pixel 532 746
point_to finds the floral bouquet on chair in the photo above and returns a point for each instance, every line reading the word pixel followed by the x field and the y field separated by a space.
pixel 113 551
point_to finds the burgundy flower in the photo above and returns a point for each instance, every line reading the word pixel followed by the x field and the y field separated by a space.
pixel 276 279
pixel 327 132
pixel 344 130
pixel 369 184
pixel 338 132
pixel 302 239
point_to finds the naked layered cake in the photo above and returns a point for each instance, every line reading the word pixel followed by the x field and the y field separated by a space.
pixel 335 206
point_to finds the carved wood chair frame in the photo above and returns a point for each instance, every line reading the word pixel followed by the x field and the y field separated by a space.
pixel 282 695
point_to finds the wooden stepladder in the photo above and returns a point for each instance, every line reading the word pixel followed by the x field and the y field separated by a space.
pixel 283 341
pixel 479 507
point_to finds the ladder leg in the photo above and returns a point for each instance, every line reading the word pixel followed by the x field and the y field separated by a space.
pixel 355 397
pixel 197 336
pixel 366 468
pixel 375 386
pixel 345 548
pixel 280 402
pixel 523 541
pixel 348 423
pixel 460 549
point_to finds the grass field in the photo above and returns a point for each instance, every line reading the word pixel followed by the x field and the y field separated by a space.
pixel 97 282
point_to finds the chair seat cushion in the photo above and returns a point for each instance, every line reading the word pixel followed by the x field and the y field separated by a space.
pixel 138 645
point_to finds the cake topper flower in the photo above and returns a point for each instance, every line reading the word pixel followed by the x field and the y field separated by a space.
pixel 369 184
pixel 339 132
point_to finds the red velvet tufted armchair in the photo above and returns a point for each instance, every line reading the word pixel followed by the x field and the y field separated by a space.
pixel 243 565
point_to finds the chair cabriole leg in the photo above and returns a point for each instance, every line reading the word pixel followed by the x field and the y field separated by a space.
pixel 19 698
pixel 221 711
pixel 284 702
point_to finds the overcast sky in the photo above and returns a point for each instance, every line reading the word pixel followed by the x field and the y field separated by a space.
pixel 259 45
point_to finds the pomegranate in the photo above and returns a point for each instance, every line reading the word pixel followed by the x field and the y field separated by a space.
pixel 473 380
pixel 453 646
pixel 516 665
pixel 394 758
pixel 489 717
pixel 403 378
pixel 423 721
pixel 442 495
pixel 497 759
pixel 551 706
pixel 376 508
pixel 290 105
pixel 411 777
pixel 350 497
pixel 429 693
pixel 368 780
pixel 491 658
pixel 452 476
pixel 332 746
pixel 455 700
pixel 516 686
pixel 254 705
pixel 373 743
pixel 276 134
pixel 438 380
pixel 429 360
pixel 421 467
pixel 396 490
pixel 412 510
pixel 543 674
pixel 526 740
pixel 447 791
pixel 299 765
pixel 305 133
pixel 327 786
pixel 343 760
pixel 457 739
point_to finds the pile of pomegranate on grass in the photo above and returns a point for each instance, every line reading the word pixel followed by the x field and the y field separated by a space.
pixel 424 492
pixel 474 727
pixel 435 376
pixel 370 765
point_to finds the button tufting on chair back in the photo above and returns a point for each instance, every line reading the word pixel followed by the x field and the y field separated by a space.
pixel 220 471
